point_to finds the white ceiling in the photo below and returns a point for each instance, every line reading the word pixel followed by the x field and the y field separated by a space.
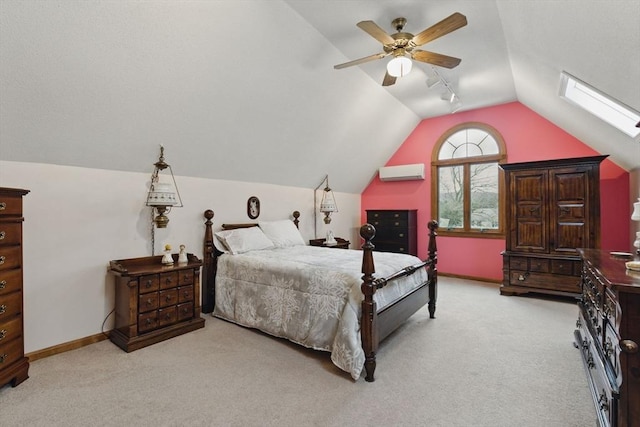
pixel 246 90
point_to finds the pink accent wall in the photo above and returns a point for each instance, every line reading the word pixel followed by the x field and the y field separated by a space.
pixel 528 137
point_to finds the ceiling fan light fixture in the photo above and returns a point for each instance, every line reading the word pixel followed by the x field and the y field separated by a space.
pixel 399 66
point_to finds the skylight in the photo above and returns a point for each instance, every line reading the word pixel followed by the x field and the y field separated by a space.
pixel 599 104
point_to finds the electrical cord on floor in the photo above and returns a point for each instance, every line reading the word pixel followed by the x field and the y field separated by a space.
pixel 105 321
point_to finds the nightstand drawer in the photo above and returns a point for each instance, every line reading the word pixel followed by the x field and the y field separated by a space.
pixel 185 277
pixel 185 293
pixel 148 321
pixel 148 302
pixel 185 311
pixel 149 283
pixel 10 233
pixel 168 297
pixel 167 316
pixel 168 280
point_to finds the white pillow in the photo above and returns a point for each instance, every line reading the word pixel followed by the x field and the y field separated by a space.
pixel 282 233
pixel 243 240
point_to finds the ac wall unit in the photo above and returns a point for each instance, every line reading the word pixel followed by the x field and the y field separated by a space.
pixel 402 172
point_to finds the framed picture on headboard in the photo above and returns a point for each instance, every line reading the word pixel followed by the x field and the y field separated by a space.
pixel 253 207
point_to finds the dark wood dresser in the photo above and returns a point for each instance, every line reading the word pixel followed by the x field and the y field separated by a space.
pixel 14 366
pixel 553 207
pixel 608 335
pixel 155 302
pixel 395 230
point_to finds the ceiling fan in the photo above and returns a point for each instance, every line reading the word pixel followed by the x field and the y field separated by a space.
pixel 400 44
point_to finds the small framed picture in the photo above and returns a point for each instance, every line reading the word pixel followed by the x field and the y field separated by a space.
pixel 253 207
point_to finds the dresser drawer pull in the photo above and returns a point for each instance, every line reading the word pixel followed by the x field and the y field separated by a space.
pixel 3 357
pixel 401 235
pixel 149 302
pixel 3 333
pixel 168 280
pixel 149 283
pixel 523 277
pixel 3 308
pixel 629 346
pixel 148 322
pixel 3 284
pixel 167 298
pixel 2 258
pixel 3 206
pixel 2 234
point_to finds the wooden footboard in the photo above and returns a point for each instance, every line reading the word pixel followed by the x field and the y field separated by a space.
pixel 375 325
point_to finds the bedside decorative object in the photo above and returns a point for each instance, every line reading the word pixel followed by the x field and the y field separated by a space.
pixel 154 302
pixel 167 258
pixel 182 255
pixel 161 195
pixel 14 366
pixel 253 207
pixel 339 243
pixel 327 204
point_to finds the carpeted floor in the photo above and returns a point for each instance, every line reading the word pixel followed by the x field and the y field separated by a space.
pixel 486 360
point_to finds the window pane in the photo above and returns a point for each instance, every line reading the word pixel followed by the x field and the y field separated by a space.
pixel 451 197
pixel 484 196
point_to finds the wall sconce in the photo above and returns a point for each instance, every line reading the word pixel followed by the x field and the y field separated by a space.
pixel 161 194
pixel 327 205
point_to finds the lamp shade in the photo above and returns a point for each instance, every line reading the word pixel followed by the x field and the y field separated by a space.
pixel 635 216
pixel 399 66
pixel 328 203
pixel 161 194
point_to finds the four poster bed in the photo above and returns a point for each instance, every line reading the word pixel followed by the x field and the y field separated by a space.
pixel 263 276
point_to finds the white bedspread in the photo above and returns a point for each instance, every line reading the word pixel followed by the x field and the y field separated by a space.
pixel 307 294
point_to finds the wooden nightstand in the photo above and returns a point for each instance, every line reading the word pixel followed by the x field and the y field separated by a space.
pixel 342 243
pixel 155 302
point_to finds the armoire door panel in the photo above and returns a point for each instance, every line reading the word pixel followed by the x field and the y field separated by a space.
pixel 531 236
pixel 569 236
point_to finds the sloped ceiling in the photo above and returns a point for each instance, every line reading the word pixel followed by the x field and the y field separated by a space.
pixel 246 90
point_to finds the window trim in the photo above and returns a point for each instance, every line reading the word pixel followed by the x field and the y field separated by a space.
pixel 500 158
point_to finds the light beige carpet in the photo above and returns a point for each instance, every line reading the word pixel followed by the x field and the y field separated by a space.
pixel 486 360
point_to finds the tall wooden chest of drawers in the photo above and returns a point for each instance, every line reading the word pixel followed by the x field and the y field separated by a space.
pixel 155 302
pixel 553 208
pixel 14 366
pixel 395 230
pixel 608 335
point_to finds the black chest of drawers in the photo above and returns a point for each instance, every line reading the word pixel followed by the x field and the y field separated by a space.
pixel 395 230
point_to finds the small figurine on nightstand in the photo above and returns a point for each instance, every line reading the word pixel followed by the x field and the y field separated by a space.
pixel 330 241
pixel 182 255
pixel 167 259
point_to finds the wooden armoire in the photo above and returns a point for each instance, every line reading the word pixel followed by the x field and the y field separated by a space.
pixel 552 208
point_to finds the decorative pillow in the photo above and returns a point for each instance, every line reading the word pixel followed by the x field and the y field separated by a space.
pixel 243 240
pixel 282 233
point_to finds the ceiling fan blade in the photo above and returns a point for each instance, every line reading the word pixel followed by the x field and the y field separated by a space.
pixel 388 80
pixel 447 25
pixel 361 60
pixel 376 32
pixel 435 58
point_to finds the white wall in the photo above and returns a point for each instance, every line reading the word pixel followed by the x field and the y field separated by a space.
pixel 78 219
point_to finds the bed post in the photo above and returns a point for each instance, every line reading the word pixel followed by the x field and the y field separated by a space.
pixel 433 269
pixel 296 221
pixel 368 326
pixel 209 266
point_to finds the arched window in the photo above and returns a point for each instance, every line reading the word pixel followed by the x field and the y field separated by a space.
pixel 467 184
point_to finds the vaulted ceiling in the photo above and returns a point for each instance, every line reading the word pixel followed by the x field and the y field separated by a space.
pixel 246 90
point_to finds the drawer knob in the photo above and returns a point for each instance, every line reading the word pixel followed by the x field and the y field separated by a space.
pixel 2 234
pixel 3 333
pixel 2 258
pixel 3 357
pixel 149 302
pixel 3 206
pixel 148 284
pixel 3 308
pixel 3 284
pixel 629 346
pixel 148 321
pixel 523 277
pixel 168 298
pixel 167 280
